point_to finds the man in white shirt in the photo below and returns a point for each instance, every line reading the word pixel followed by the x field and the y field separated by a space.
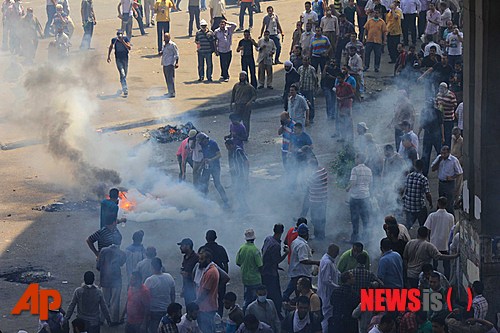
pixel 454 42
pixel 300 261
pixel 309 15
pixel 406 128
pixel 359 203
pixel 188 322
pixel 162 289
pixel 445 16
pixel 328 279
pixel 305 40
pixel 169 62
pixel 439 223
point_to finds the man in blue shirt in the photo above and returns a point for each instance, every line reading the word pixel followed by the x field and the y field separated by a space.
pixel 390 266
pixel 122 46
pixel 109 207
pixel 300 138
pixel 211 166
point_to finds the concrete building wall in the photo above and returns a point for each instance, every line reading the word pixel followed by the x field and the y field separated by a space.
pixel 480 219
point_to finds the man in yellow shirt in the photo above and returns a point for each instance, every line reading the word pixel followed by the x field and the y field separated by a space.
pixel 162 10
pixel 375 36
pixel 393 20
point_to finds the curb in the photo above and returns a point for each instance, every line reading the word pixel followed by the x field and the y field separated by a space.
pixel 200 112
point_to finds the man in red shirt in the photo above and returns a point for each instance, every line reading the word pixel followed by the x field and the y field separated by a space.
pixel 206 278
pixel 292 234
pixel 138 300
pixel 345 94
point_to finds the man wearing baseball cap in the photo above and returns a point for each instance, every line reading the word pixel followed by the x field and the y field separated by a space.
pixel 185 155
pixel 188 262
pixel 300 261
pixel 249 260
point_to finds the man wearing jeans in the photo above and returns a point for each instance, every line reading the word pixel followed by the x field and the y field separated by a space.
pixel 249 259
pixel 245 46
pixel 375 36
pixel 162 10
pixel 415 193
pixel 223 41
pixel 125 12
pixel 359 188
pixel 169 62
pixel 51 11
pixel 246 5
pixel 271 23
pixel 194 15
pixel 122 46
pixel 205 43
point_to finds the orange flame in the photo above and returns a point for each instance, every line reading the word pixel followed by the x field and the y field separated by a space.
pixel 171 131
pixel 125 203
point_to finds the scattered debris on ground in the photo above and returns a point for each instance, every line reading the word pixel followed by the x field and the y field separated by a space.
pixel 170 133
pixel 68 206
pixel 26 275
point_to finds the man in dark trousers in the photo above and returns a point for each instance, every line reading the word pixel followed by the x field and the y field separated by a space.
pixel 245 46
pixel 189 260
pixel 221 259
pixel 122 46
pixel 242 97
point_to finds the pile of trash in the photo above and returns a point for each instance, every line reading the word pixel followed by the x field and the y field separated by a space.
pixel 170 133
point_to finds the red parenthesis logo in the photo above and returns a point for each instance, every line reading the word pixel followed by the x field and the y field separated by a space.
pixel 469 299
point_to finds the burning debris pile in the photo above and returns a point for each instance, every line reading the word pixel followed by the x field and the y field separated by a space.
pixel 170 133
pixel 26 275
pixel 68 206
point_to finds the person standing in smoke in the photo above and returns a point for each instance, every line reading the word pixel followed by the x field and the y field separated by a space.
pixel 109 264
pixel 249 259
pixel 88 22
pixel 122 46
pixel 221 259
pixel 135 252
pixel 345 94
pixel 109 208
pixel 31 31
pixel 206 278
pixel 211 167
pixel 188 262
pixel 359 203
pixel 316 197
pixel 239 169
pixel 271 258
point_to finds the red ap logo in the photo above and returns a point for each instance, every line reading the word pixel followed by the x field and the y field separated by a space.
pixel 36 301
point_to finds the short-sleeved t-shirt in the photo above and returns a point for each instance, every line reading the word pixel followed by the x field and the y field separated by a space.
pixel 250 260
pixel 375 30
pixel 137 300
pixel 105 237
pixel 300 251
pixel 271 24
pixel 162 10
pixel 210 150
pixel 247 45
pixel 301 140
pixel 440 223
pixel 455 47
pixel 121 52
pixel 160 287
pixel 419 252
pixel 209 282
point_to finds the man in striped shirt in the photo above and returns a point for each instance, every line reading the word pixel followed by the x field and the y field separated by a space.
pixel 320 46
pixel 446 102
pixel 238 167
pixel 317 196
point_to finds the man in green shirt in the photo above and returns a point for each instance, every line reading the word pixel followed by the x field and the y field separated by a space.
pixel 249 260
pixel 348 260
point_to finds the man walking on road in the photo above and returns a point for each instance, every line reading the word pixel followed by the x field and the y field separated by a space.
pixel 242 97
pixel 271 23
pixel 266 49
pixel 217 12
pixel 246 5
pixel 162 10
pixel 194 15
pixel 169 62
pixel 88 21
pixel 448 168
pixel 249 259
pixel 122 46
pixel 205 40
pixel 223 42
pixel 245 46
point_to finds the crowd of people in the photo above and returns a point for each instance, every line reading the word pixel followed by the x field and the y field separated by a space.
pixel 331 48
